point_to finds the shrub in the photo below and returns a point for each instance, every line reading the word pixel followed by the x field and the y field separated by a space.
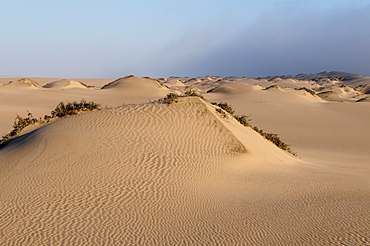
pixel 72 108
pixel 170 98
pixel 225 106
pixel 308 90
pixel 243 119
pixel 62 110
pixel 275 139
pixel 221 113
pixel 191 92
pixel 19 124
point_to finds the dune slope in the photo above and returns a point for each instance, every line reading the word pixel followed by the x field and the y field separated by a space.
pixel 154 174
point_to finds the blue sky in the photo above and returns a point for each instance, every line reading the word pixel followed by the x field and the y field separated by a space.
pixel 111 38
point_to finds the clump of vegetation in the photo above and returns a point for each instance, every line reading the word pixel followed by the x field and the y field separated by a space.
pixel 191 92
pixel 72 108
pixel 62 110
pixel 273 87
pixel 275 139
pixel 225 106
pixel 170 98
pixel 221 112
pixel 173 97
pixel 245 120
pixel 19 124
pixel 308 90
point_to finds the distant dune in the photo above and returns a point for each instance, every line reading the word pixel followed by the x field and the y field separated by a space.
pixel 142 172
pixel 25 82
pixel 365 89
pixel 64 83
pixel 133 82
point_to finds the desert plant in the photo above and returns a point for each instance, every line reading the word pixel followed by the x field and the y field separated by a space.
pixel 225 106
pixel 275 139
pixel 72 108
pixel 19 124
pixel 308 90
pixel 170 98
pixel 173 97
pixel 62 110
pixel 191 92
pixel 243 119
pixel 221 112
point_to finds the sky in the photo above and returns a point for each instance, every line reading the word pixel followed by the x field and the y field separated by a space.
pixel 162 38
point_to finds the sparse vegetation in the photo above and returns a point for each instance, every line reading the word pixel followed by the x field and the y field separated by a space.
pixel 221 112
pixel 19 124
pixel 191 92
pixel 245 120
pixel 225 106
pixel 62 110
pixel 171 98
pixel 213 89
pixel 87 86
pixel 308 90
pixel 72 108
pixel 106 86
pixel 273 87
pixel 275 139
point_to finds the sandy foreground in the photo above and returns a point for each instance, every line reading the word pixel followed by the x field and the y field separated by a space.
pixel 147 173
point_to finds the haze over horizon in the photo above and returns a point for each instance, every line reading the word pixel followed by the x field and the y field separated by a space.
pixel 184 38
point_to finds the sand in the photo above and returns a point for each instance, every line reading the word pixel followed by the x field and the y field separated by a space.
pixel 146 173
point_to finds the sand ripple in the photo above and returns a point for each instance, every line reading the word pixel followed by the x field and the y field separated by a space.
pixel 154 174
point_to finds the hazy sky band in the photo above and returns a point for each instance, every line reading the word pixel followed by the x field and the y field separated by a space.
pixel 183 38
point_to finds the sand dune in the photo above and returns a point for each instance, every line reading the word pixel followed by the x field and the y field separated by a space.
pixel 17 100
pixel 133 83
pixel 174 83
pixel 24 82
pixel 234 88
pixel 365 89
pixel 364 99
pixel 335 93
pixel 132 89
pixel 189 177
pixel 330 96
pixel 179 174
pixel 44 80
pixel 257 93
pixel 64 83
pixel 315 128
pixel 110 180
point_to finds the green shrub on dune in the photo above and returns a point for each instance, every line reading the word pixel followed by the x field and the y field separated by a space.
pixel 72 108
pixel 62 110
pixel 224 107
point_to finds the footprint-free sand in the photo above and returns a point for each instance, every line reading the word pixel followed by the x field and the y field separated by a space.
pixel 142 172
